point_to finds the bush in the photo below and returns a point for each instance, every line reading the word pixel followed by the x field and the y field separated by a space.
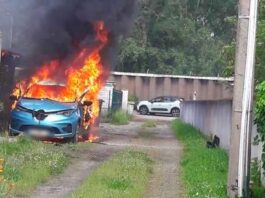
pixel 260 114
pixel 133 98
pixel 257 189
pixel 119 117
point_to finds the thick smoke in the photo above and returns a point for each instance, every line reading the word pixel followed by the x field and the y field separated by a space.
pixel 51 29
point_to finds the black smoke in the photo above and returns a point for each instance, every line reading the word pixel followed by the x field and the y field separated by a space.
pixel 52 29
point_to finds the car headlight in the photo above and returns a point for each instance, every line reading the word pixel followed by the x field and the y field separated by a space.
pixel 66 112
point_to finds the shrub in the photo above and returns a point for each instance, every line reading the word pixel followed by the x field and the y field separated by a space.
pixel 257 189
pixel 120 117
pixel 260 115
pixel 133 98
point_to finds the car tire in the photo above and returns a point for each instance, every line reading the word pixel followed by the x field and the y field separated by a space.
pixel 10 133
pixel 74 139
pixel 175 112
pixel 143 110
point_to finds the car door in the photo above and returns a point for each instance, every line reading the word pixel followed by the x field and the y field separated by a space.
pixel 168 104
pixel 157 105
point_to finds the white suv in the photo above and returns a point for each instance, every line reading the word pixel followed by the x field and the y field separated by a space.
pixel 162 104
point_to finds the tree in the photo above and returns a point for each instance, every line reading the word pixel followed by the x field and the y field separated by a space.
pixel 178 37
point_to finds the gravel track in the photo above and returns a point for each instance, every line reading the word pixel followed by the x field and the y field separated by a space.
pixel 159 143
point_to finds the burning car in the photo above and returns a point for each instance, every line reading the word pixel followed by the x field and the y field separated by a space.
pixel 47 111
pixel 50 119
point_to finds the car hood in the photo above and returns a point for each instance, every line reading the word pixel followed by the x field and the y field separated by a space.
pixel 45 104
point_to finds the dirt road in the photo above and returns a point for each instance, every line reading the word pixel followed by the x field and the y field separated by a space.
pixel 158 142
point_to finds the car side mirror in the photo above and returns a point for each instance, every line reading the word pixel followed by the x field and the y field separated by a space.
pixel 13 98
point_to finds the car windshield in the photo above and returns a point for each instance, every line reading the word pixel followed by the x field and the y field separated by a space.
pixel 40 91
pixel 158 99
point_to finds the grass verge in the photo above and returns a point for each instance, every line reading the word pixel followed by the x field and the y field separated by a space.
pixel 203 170
pixel 258 191
pixel 149 124
pixel 28 163
pixel 125 175
pixel 119 117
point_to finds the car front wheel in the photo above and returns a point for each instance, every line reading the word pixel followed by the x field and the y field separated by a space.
pixel 175 112
pixel 143 110
pixel 74 139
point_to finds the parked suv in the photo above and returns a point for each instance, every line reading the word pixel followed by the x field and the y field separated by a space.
pixel 162 104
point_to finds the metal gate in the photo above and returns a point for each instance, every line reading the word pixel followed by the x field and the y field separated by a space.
pixel 116 100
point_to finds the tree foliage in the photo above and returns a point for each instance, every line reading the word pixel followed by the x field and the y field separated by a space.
pixel 260 48
pixel 179 37
pixel 229 50
pixel 260 115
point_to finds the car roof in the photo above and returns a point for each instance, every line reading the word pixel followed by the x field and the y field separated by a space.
pixel 168 96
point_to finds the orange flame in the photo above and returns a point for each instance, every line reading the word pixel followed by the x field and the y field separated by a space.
pixel 92 137
pixel 85 71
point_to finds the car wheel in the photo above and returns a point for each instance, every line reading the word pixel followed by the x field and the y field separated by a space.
pixel 143 110
pixel 10 133
pixel 74 139
pixel 175 112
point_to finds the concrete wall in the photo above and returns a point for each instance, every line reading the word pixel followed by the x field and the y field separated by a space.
pixel 147 86
pixel 211 117
pixel 106 95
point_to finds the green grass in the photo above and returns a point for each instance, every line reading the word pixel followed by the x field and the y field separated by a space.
pixel 149 124
pixel 258 190
pixel 28 163
pixel 203 170
pixel 125 175
pixel 119 117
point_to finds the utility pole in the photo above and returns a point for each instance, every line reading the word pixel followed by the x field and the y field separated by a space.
pixel 239 155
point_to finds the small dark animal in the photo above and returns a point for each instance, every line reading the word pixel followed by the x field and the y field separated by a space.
pixel 215 143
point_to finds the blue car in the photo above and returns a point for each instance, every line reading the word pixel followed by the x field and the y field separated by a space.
pixel 45 118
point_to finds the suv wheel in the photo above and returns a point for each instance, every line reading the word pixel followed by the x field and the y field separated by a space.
pixel 143 110
pixel 175 112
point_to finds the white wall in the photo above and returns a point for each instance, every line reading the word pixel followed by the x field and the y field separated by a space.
pixel 125 95
pixel 211 117
pixel 106 95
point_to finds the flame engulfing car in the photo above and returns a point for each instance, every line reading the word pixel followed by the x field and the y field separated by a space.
pixel 49 119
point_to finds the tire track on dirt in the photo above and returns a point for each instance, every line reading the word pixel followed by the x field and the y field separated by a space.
pixel 82 166
pixel 158 142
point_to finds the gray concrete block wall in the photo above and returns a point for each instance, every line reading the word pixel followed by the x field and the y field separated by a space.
pixel 211 117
